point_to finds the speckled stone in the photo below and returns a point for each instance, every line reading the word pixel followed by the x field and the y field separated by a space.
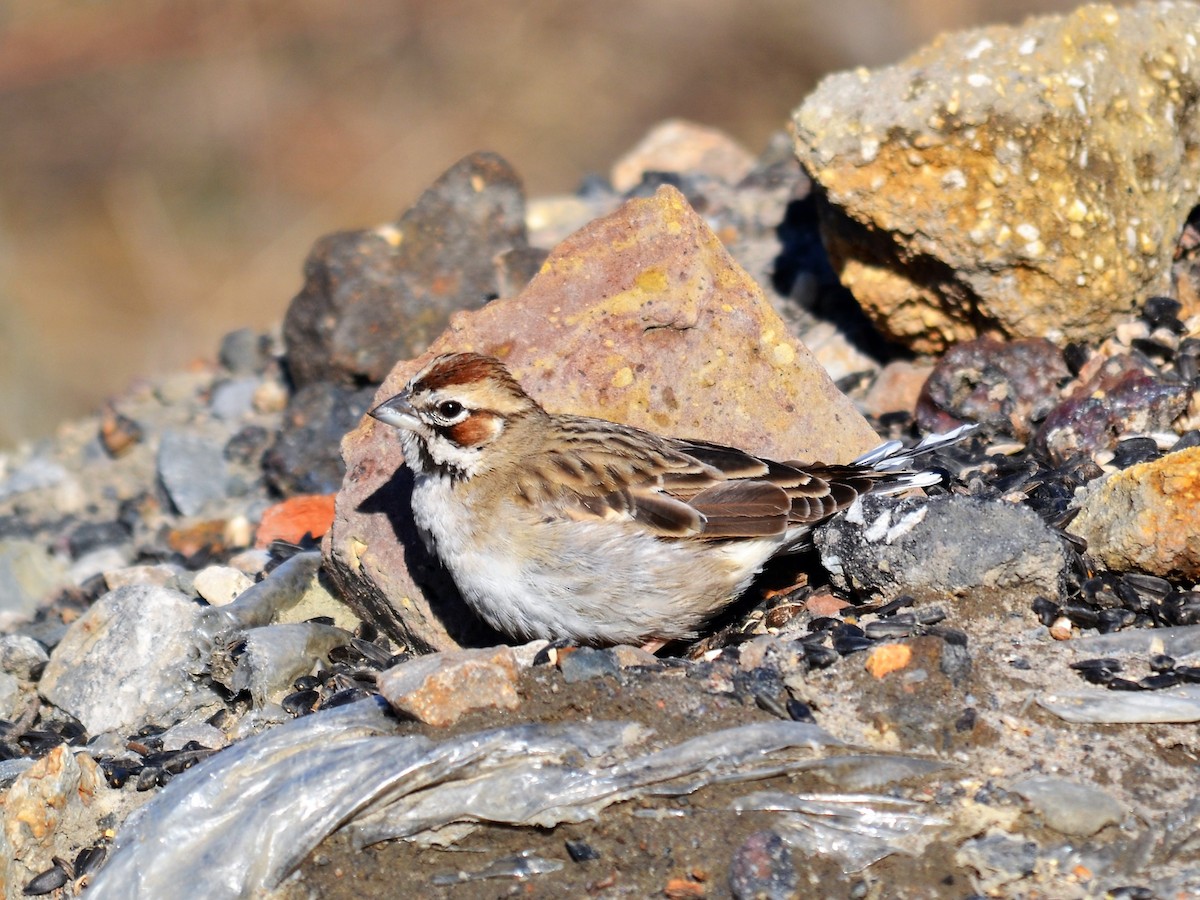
pixel 1033 179
pixel 1146 517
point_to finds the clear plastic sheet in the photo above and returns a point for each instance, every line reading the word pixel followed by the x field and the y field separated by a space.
pixel 518 868
pixel 855 829
pixel 549 794
pixel 1096 705
pixel 1182 642
pixel 242 820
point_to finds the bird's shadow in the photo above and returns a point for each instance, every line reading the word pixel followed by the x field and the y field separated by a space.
pixel 393 499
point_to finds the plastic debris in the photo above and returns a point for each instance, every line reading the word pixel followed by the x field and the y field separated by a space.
pixel 246 816
pixel 260 806
pixel 1181 641
pixel 1181 704
pixel 855 829
pixel 262 603
pixel 265 661
pixel 247 650
pixel 571 793
pixel 518 867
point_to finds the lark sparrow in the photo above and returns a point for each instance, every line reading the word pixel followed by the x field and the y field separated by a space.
pixel 560 526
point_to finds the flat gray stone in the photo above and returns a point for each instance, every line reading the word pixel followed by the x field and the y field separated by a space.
pixel 28 572
pixel 1070 808
pixel 129 661
pixel 193 470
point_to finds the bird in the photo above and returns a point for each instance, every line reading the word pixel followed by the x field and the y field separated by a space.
pixel 582 530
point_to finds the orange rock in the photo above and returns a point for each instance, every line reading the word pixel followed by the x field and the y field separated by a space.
pixel 438 689
pixel 683 889
pixel 679 146
pixel 825 604
pixel 897 388
pixel 119 433
pixel 295 517
pixel 888 658
pixel 206 537
pixel 1146 517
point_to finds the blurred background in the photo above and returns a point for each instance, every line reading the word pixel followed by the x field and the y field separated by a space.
pixel 165 165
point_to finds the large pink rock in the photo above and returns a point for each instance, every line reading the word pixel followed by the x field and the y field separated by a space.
pixel 641 317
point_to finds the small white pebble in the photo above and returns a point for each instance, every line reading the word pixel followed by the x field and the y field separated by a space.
pixel 220 585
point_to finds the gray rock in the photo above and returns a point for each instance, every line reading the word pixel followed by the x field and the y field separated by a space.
pixel 192 469
pixel 371 298
pixel 945 546
pixel 244 352
pixel 1070 808
pixel 128 661
pixel 35 475
pixel 21 655
pixel 11 697
pixel 233 399
pixel 585 663
pixel 28 572
pixel 998 859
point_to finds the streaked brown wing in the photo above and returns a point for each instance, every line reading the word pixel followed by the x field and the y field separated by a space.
pixel 682 488
pixel 826 490
pixel 750 508
pixel 816 491
pixel 606 471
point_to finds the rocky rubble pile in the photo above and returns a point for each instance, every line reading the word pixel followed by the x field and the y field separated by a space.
pixel 226 662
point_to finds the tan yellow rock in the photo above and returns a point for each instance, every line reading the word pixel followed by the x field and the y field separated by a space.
pixel 1146 517
pixel 1030 179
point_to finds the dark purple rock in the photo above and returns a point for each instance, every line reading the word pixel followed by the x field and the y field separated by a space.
pixel 1123 397
pixel 306 457
pixel 999 384
pixel 373 297
pixel 247 445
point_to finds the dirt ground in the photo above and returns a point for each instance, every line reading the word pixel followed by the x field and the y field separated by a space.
pixel 981 720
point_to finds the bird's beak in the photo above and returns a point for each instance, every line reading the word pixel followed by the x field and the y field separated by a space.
pixel 397 412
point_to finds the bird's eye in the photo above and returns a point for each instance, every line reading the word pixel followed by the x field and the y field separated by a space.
pixel 449 409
